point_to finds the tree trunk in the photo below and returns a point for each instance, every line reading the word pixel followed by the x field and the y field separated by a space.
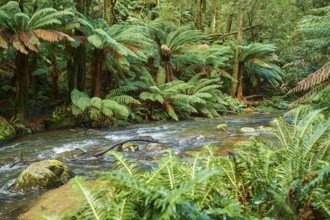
pixel 34 79
pixel 202 14
pixel 109 14
pixel 97 65
pixel 81 70
pixel 240 95
pixel 229 23
pixel 22 84
pixel 214 15
pixel 233 88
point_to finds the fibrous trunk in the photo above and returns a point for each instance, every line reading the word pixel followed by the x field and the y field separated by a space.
pixel 22 84
pixel 233 88
pixel 214 15
pixel 97 65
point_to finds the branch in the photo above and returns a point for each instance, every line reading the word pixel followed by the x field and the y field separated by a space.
pixel 143 139
pixel 233 33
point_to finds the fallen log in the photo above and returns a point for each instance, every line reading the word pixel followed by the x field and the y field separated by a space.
pixel 142 139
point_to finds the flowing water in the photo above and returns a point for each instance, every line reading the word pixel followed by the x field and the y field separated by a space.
pixel 182 137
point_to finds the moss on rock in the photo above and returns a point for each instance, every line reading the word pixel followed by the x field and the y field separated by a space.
pixel 7 131
pixel 44 174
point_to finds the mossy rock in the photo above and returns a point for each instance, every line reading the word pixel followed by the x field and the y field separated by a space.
pixel 259 129
pixel 247 130
pixel 45 174
pixel 264 129
pixel 71 154
pixel 127 147
pixel 7 131
pixel 64 199
pixel 222 127
pixel 154 147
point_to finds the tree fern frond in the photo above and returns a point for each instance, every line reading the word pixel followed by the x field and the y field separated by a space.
pixel 313 79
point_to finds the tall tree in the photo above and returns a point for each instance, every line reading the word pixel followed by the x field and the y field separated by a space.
pixel 25 33
pixel 236 74
pixel 214 15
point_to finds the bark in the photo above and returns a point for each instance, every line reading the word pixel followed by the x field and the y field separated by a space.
pixel 214 15
pixel 22 84
pixel 229 22
pixel 80 60
pixel 71 72
pixel 233 88
pixel 202 14
pixel 240 95
pixel 109 13
pixel 34 79
pixel 97 65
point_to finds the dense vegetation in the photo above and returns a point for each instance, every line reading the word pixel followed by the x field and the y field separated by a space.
pixel 288 179
pixel 148 60
pixel 98 63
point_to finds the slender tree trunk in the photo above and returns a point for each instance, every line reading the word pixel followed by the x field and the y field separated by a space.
pixel 229 22
pixel 108 10
pixel 214 15
pixel 54 79
pixel 34 79
pixel 81 70
pixel 202 14
pixel 97 65
pixel 240 95
pixel 233 88
pixel 71 72
pixel 22 84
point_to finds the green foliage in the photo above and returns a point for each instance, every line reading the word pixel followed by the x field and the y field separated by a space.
pixel 99 112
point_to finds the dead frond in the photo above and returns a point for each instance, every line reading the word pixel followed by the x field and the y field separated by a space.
pixel 3 42
pixel 17 44
pixel 307 95
pixel 199 46
pixel 131 48
pixel 52 36
pixel 313 79
pixel 25 38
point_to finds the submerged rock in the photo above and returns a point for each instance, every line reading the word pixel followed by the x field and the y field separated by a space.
pixel 154 147
pixel 128 147
pixel 7 131
pixel 247 130
pixel 264 129
pixel 71 154
pixel 259 129
pixel 44 174
pixel 222 127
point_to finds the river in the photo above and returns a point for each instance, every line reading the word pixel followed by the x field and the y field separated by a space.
pixel 182 137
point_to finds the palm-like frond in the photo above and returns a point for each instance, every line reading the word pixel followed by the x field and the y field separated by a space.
pixel 313 79
pixel 315 28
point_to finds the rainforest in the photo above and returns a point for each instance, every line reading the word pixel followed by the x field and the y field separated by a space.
pixel 164 109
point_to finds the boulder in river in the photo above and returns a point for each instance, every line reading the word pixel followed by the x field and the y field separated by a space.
pixel 64 199
pixel 128 147
pixel 222 127
pixel 44 174
pixel 154 147
pixel 247 130
pixel 7 131
pixel 71 154
pixel 259 129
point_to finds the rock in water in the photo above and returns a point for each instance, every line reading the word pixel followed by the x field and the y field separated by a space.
pixel 247 130
pixel 71 154
pixel 45 174
pixel 128 147
pixel 222 127
pixel 154 147
pixel 7 131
